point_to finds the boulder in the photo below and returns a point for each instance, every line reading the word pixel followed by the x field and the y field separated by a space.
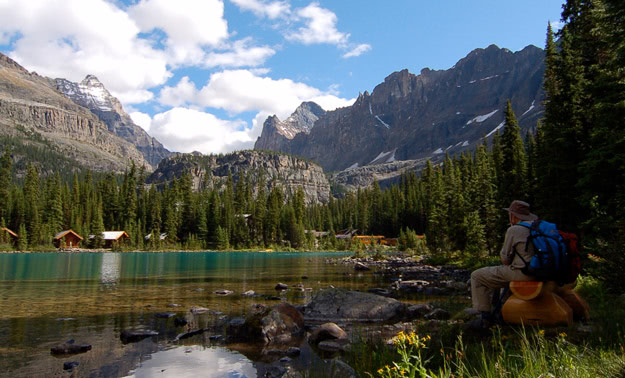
pixel 269 325
pixel 438 314
pixel 361 267
pixel 327 331
pixel 334 346
pixel 249 293
pixel 281 286
pixel 338 304
pixel 164 315
pixel 418 311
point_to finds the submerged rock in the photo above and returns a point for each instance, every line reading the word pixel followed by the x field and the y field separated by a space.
pixel 70 347
pixel 281 286
pixel 69 365
pixel 418 310
pixel 186 335
pixel 223 292
pixel 164 315
pixel 198 310
pixel 135 335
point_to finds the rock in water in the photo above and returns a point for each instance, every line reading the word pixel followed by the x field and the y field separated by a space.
pixel 327 331
pixel 269 325
pixel 70 348
pixel 135 335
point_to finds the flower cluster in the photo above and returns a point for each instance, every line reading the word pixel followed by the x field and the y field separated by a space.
pixel 411 338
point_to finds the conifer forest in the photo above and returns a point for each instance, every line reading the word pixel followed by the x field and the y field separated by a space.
pixel 570 168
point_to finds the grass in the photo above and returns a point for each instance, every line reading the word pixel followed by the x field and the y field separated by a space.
pixel 594 350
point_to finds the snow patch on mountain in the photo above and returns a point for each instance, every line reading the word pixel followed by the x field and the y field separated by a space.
pixel 530 108
pixel 382 122
pixel 384 157
pixel 495 129
pixel 482 118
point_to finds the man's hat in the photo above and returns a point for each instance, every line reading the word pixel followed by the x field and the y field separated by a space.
pixel 521 210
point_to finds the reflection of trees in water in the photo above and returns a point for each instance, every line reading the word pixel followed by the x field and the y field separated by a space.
pixel 111 263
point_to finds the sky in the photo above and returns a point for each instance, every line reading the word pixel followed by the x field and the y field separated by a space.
pixel 203 75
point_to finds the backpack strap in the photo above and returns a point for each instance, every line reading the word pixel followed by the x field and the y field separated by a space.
pixel 533 226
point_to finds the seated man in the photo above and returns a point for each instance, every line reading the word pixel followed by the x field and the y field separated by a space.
pixel 485 280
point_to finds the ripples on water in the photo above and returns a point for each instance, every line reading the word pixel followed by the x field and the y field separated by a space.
pixel 48 298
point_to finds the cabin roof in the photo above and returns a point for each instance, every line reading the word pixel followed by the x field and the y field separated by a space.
pixel 9 232
pixel 113 235
pixel 63 233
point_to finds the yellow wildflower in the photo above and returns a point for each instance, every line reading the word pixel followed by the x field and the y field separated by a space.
pixel 541 332
pixel 562 334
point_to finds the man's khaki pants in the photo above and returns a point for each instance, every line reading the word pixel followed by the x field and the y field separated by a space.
pixel 485 280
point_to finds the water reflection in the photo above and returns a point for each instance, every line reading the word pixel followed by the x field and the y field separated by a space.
pixel 47 299
pixel 188 361
pixel 111 265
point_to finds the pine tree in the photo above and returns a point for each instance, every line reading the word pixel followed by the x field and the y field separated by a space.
pixel 514 162
pixel 5 183
pixel 22 241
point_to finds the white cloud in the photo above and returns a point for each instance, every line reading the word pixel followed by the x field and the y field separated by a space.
pixel 556 25
pixel 189 25
pixel 74 38
pixel 271 10
pixel 184 92
pixel 238 91
pixel 242 55
pixel 357 51
pixel 188 130
pixel 320 27
pixel 141 119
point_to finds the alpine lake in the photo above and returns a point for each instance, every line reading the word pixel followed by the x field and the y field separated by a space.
pixel 47 299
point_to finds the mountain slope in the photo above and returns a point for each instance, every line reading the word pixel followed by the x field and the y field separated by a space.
pixel 32 110
pixel 290 172
pixel 91 94
pixel 422 116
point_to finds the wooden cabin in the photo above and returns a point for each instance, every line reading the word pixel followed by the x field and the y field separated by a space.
pixel 112 238
pixel 67 239
pixel 368 239
pixel 8 236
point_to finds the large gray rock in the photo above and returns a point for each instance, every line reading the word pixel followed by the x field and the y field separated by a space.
pixel 269 325
pixel 339 304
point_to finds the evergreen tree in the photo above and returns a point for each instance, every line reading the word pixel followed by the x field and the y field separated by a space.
pixel 5 183
pixel 514 162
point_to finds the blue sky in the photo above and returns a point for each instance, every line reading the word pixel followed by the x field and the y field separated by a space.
pixel 204 74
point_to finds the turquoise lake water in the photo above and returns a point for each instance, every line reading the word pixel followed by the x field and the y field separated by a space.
pixel 49 298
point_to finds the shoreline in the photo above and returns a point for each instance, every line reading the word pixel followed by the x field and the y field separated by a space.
pixel 102 250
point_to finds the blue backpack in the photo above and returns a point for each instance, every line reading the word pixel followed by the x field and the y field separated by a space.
pixel 549 262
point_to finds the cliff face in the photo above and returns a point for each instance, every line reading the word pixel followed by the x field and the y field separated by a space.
pixel 411 116
pixel 91 94
pixel 30 104
pixel 278 169
pixel 276 133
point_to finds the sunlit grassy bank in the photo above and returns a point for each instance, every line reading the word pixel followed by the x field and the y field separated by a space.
pixel 595 349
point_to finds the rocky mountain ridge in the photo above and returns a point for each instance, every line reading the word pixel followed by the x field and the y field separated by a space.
pixel 32 110
pixel 410 117
pixel 276 132
pixel 91 94
pixel 277 169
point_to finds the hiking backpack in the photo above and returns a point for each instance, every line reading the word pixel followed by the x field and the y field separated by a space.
pixel 550 261
pixel 573 267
